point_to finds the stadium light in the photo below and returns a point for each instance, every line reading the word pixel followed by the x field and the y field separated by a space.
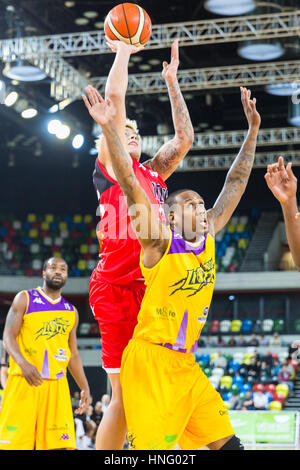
pixel 29 113
pixel 229 8
pixel 63 132
pixel 281 89
pixel 78 141
pixel 53 109
pixel 261 51
pixel 53 126
pixel 11 98
pixel 24 73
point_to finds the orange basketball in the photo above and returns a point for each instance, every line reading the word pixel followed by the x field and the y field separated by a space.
pixel 129 23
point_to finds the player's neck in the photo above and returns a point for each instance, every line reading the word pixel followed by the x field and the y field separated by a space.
pixel 53 294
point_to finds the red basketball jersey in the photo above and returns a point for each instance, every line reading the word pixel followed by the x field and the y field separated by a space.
pixel 119 246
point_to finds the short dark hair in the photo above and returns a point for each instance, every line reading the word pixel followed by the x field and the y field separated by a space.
pixel 48 260
pixel 171 199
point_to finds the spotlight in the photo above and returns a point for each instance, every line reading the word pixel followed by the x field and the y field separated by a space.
pixel 54 126
pixel 53 109
pixel 63 132
pixel 23 73
pixel 232 8
pixel 29 113
pixel 281 89
pixel 78 141
pixel 261 51
pixel 11 98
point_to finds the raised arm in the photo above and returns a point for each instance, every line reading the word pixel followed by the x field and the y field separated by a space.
pixel 115 90
pixel 238 175
pixel 152 234
pixel 283 184
pixel 171 153
pixel 12 328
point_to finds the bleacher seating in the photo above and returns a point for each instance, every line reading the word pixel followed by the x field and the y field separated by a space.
pixel 233 379
pixel 26 243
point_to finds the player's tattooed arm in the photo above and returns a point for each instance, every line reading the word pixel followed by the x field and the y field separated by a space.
pixel 171 153
pixel 151 233
pixel 239 173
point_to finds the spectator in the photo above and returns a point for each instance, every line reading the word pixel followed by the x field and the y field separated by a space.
pixel 220 360
pixel 260 400
pixel 253 341
pixel 263 341
pixel 275 369
pixel 210 342
pixel 105 400
pixel 201 342
pixel 75 399
pixel 284 377
pixel 234 402
pixel 232 341
pixel 275 340
pixel 220 341
pixel 247 402
pixel 97 413
pixel 253 368
pixel 265 370
pixel 241 341
pixel 85 437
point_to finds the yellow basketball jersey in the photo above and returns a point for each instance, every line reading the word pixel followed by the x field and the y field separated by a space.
pixel 44 335
pixel 179 290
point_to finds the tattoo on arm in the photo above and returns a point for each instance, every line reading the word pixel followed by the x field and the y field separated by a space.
pixel 236 181
pixel 170 155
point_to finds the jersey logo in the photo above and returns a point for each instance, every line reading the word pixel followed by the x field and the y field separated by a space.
pixel 38 300
pixel 159 192
pixel 58 326
pixel 196 279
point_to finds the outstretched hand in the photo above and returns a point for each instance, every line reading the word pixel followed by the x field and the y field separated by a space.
pixel 170 70
pixel 101 110
pixel 282 181
pixel 251 113
pixel 116 45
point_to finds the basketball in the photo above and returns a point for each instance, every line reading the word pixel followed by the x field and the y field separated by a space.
pixel 129 23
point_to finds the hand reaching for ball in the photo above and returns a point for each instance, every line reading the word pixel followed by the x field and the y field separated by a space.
pixel 116 46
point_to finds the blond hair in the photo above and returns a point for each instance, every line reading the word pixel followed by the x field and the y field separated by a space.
pixel 132 124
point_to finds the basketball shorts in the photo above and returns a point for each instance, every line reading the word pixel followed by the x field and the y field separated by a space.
pixel 116 309
pixel 168 400
pixel 39 418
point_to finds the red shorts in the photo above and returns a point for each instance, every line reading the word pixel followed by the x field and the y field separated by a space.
pixel 116 309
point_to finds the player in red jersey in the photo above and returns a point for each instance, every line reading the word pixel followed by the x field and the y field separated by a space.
pixel 116 287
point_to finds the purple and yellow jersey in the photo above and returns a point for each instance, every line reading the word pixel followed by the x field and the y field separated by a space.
pixel 44 335
pixel 179 290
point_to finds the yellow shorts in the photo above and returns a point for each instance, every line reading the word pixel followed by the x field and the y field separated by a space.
pixel 168 400
pixel 38 418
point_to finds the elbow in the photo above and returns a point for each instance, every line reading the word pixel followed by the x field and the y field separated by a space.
pixel 185 142
pixel 114 95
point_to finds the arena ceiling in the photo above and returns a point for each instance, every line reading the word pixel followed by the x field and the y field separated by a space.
pixel 212 110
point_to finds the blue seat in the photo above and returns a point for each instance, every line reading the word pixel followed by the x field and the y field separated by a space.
pixel 227 396
pixel 205 358
pixel 234 365
pixel 237 380
pixel 246 326
pixel 246 387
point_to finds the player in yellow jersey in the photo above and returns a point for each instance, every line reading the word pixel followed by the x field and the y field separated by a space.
pixel 167 398
pixel 40 338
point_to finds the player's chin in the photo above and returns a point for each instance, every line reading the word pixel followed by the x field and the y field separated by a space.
pixel 136 154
